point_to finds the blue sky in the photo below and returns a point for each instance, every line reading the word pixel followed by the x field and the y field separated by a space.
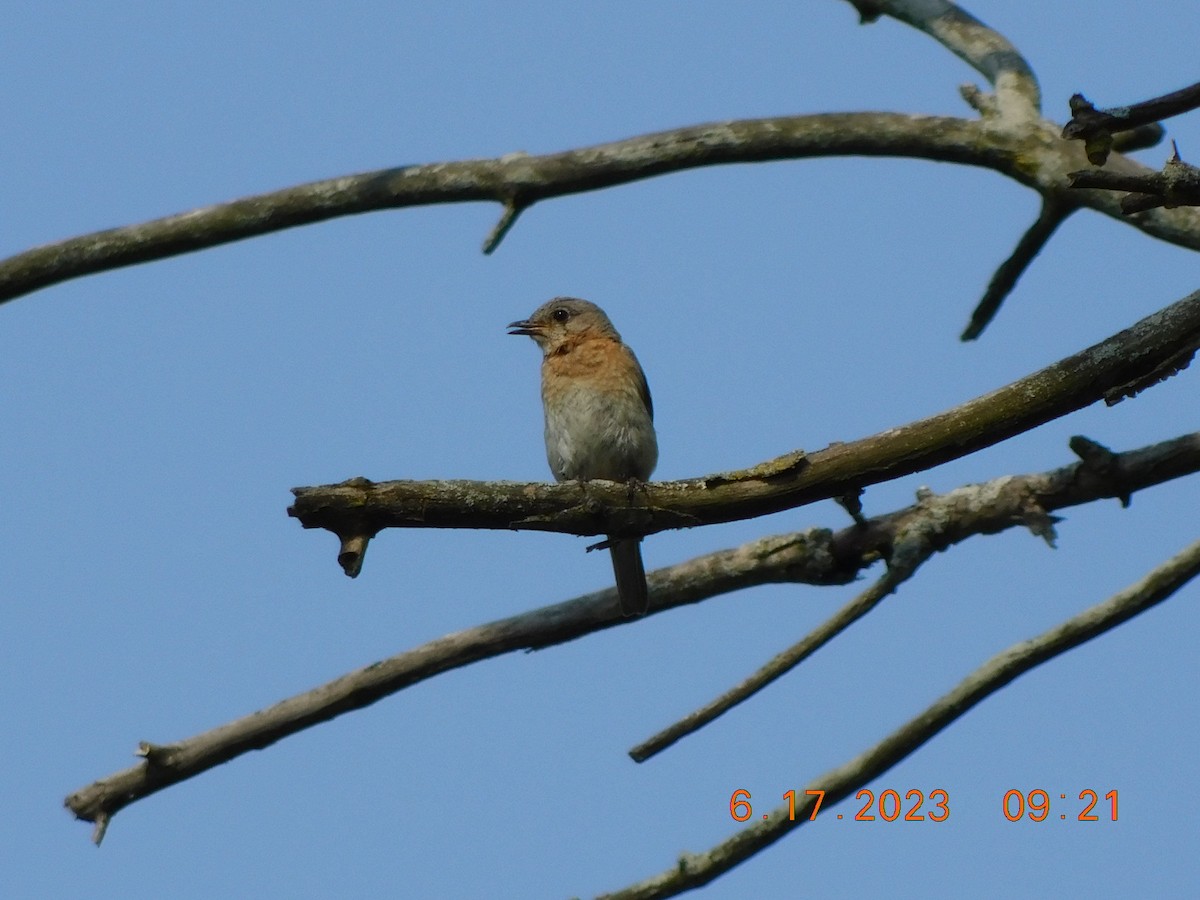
pixel 157 416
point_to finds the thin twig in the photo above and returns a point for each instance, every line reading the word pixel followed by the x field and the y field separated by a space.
pixel 779 665
pixel 1054 213
pixel 1178 184
pixel 503 225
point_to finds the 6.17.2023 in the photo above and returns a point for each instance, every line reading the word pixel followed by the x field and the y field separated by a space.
pixel 888 807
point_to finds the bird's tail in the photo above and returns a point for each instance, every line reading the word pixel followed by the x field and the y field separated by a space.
pixel 630 575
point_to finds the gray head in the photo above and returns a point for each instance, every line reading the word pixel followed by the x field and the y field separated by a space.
pixel 564 319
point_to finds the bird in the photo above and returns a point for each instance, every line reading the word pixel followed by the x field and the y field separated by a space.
pixel 599 416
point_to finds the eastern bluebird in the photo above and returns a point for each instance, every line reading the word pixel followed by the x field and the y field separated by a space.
pixel 599 417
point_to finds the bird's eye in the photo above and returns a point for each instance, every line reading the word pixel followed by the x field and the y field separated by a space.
pixel 561 314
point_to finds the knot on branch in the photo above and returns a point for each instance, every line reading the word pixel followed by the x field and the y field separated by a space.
pixel 1097 127
pixel 1094 127
pixel 159 756
pixel 1100 464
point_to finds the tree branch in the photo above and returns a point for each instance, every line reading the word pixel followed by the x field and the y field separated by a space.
pixel 815 557
pixel 358 509
pixel 906 539
pixel 694 870
pixel 1096 127
pixel 1033 156
pixel 1013 140
pixel 1178 184
pixel 985 50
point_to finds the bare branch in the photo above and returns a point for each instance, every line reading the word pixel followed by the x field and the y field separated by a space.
pixel 1054 213
pixel 985 50
pixel 693 870
pixel 909 537
pixel 1096 127
pixel 502 227
pixel 813 557
pixel 1031 156
pixel 361 507
pixel 1022 148
pixel 1141 138
pixel 516 180
pixel 1178 184
pixel 1056 208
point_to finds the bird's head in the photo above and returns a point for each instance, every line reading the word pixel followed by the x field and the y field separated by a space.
pixel 562 320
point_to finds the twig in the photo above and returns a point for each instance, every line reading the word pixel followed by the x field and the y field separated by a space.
pixel 1096 127
pixel 1141 138
pixel 1178 184
pixel 1054 213
pixel 779 665
pixel 694 870
pixel 503 225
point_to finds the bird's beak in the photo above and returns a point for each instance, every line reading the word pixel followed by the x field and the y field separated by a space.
pixel 523 326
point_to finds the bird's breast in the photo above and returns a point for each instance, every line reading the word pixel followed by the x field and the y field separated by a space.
pixel 597 424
